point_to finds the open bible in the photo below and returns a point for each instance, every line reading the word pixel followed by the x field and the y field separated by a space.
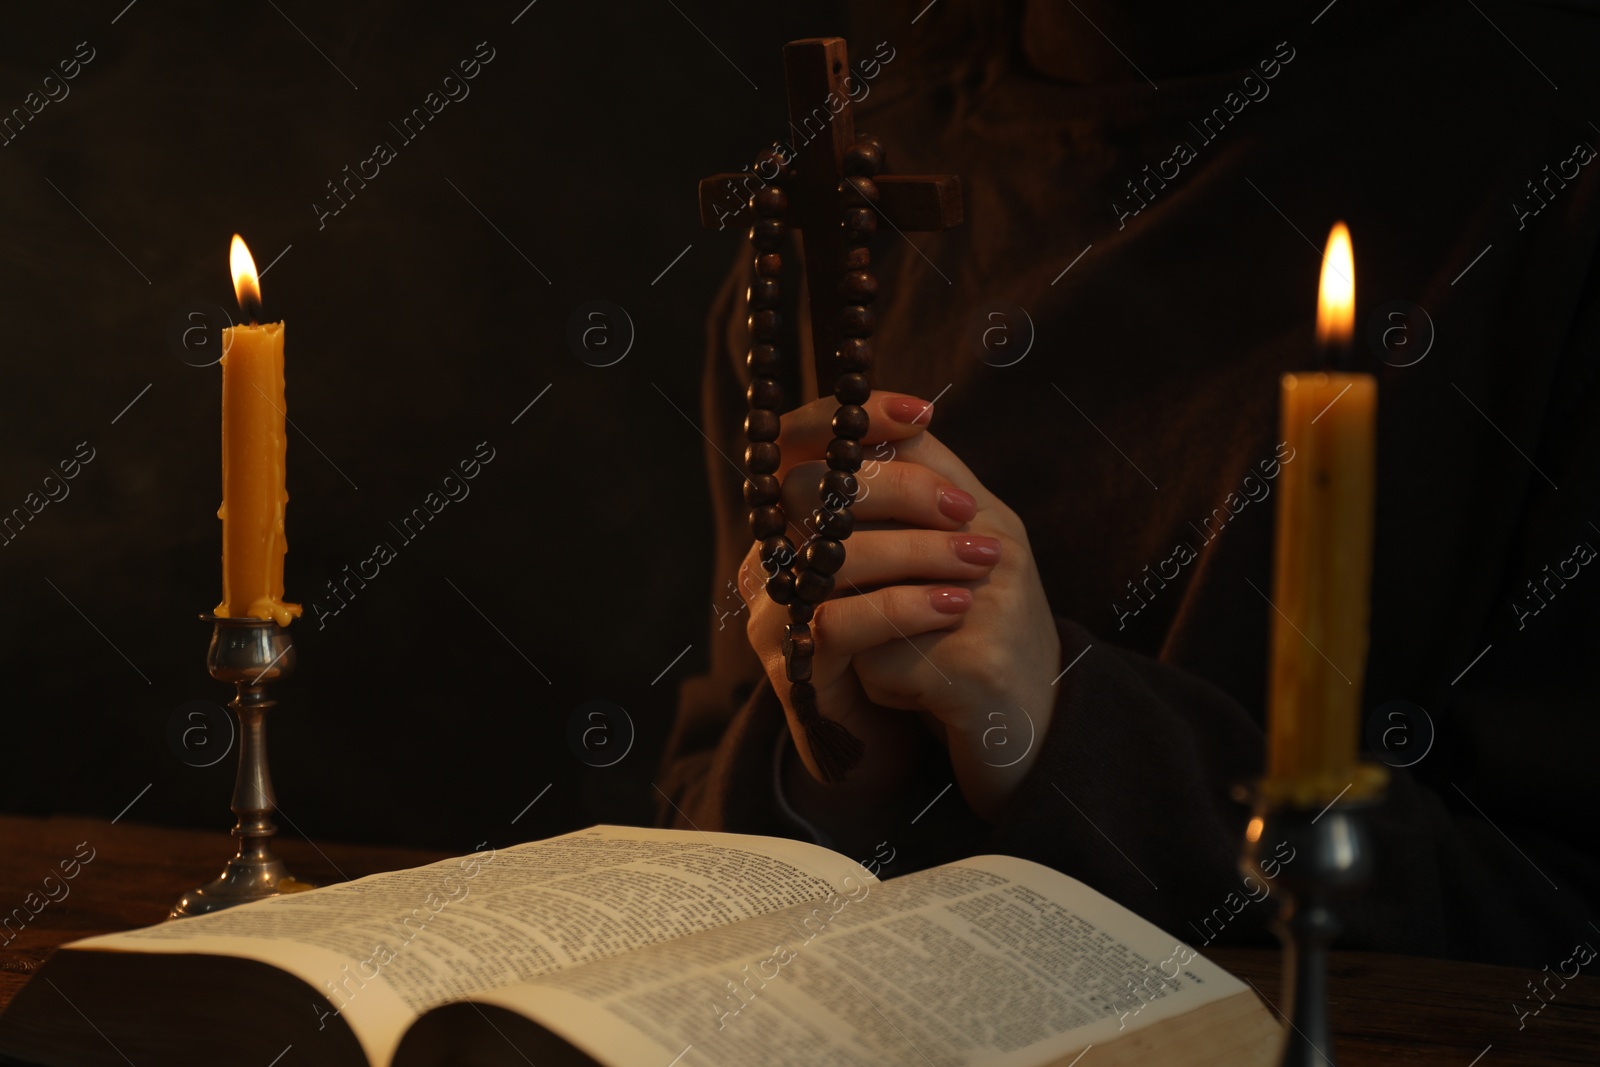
pixel 625 946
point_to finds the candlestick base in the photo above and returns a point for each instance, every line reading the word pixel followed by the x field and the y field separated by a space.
pixel 247 653
pixel 1331 859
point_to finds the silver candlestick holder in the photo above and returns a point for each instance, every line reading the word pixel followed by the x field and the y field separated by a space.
pixel 247 653
pixel 1331 860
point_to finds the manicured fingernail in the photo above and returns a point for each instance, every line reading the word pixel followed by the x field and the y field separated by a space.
pixel 909 410
pixel 956 503
pixel 977 549
pixel 950 601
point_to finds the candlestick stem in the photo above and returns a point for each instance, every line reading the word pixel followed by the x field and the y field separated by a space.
pixel 253 799
pixel 247 653
pixel 1331 859
pixel 1308 930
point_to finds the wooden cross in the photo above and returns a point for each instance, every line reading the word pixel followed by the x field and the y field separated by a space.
pixel 818 76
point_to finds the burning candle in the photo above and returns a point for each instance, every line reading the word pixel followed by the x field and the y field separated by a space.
pixel 1323 563
pixel 253 454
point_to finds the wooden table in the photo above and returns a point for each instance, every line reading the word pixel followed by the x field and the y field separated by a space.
pixel 1386 1009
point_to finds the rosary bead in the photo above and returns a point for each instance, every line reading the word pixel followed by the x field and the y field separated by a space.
pixel 765 393
pixel 841 486
pixel 850 421
pixel 856 188
pixel 836 523
pixel 764 361
pixel 865 157
pixel 824 555
pixel 760 490
pixel 857 287
pixel 763 294
pixel 843 455
pixel 773 162
pixel 798 642
pixel 767 521
pixel 769 203
pixel 764 325
pixel 860 223
pixel 855 320
pixel 768 234
pixel 813 586
pixel 761 458
pixel 777 553
pixel 761 425
pixel 847 389
pixel 780 587
pixel 855 355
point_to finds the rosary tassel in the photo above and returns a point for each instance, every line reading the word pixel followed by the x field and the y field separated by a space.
pixel 834 748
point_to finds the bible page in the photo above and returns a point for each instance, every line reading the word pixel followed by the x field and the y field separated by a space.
pixel 991 960
pixel 381 949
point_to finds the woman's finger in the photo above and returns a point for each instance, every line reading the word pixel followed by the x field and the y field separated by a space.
pixel 846 625
pixel 906 493
pixel 925 450
pixel 806 431
pixel 889 558
pixel 895 557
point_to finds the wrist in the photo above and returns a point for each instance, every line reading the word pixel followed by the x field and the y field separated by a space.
pixel 994 756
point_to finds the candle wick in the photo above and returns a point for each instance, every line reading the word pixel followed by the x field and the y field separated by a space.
pixel 1336 356
pixel 1344 356
pixel 251 308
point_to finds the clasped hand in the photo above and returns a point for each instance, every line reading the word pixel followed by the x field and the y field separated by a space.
pixel 937 615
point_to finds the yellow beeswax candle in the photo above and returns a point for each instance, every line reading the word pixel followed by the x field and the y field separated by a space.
pixel 254 448
pixel 1323 561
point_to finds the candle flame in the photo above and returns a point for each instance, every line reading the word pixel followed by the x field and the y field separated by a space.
pixel 1336 299
pixel 246 283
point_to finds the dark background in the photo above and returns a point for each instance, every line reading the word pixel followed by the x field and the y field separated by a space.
pixel 416 328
